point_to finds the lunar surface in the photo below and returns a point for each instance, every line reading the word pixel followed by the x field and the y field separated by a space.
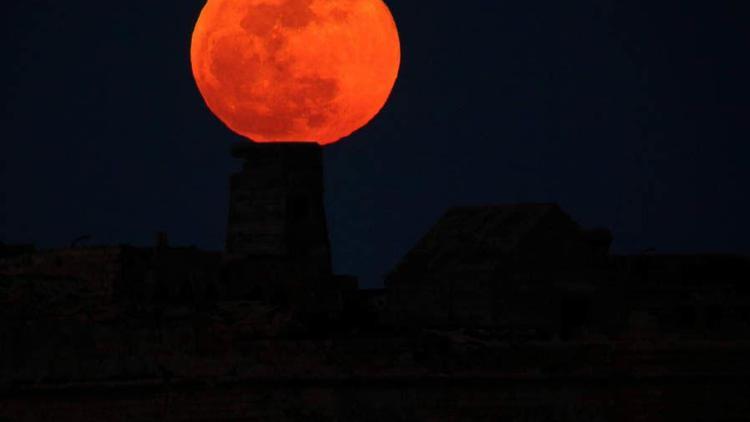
pixel 295 70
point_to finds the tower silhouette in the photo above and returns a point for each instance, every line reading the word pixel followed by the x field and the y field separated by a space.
pixel 277 236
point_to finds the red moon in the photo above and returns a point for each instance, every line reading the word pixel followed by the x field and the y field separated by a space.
pixel 295 70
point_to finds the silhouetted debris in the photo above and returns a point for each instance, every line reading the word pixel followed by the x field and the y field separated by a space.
pixel 9 251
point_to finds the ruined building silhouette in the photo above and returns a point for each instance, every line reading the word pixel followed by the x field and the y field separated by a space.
pixel 277 245
pixel 500 312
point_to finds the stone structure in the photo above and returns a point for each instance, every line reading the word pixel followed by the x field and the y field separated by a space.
pixel 529 267
pixel 121 274
pixel 100 270
pixel 674 296
pixel 276 204
pixel 277 247
pixel 492 266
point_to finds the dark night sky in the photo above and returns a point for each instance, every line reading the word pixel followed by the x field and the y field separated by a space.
pixel 630 114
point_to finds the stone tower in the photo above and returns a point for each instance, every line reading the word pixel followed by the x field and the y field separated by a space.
pixel 277 238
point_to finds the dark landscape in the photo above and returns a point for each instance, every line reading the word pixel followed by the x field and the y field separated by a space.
pixel 547 220
pixel 500 312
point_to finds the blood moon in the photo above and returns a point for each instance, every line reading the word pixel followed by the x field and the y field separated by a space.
pixel 295 70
